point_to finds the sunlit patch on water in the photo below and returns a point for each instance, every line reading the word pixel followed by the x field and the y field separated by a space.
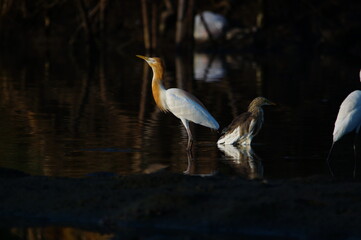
pixel 52 233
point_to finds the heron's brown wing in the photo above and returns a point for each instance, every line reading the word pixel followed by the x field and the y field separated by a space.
pixel 242 119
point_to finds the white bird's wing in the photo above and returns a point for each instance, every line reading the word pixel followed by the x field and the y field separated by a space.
pixel 184 105
pixel 349 115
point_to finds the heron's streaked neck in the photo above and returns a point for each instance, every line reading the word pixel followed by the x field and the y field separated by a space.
pixel 157 87
pixel 255 109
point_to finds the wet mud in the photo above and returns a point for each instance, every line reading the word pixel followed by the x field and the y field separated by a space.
pixel 189 207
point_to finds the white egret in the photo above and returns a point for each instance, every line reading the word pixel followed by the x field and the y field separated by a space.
pixel 209 23
pixel 247 125
pixel 348 120
pixel 182 104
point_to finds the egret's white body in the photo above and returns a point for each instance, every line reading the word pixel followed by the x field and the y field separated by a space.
pixel 185 107
pixel 349 116
pixel 348 120
pixel 182 104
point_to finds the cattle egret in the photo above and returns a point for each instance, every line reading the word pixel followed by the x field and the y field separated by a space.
pixel 247 125
pixel 182 104
pixel 348 120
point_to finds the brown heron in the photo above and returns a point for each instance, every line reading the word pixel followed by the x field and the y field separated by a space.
pixel 247 125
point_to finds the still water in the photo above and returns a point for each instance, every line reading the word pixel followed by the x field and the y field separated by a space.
pixel 63 115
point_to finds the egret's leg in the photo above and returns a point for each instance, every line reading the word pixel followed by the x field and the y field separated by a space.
pixel 354 151
pixel 355 157
pixel 190 167
pixel 190 138
pixel 328 160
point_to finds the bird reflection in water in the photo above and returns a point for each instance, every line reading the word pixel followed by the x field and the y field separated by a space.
pixel 243 160
pixel 191 168
pixel 208 68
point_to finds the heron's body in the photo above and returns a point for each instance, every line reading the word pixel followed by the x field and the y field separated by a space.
pixel 182 104
pixel 247 125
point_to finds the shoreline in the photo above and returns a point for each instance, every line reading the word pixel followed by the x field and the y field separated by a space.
pixel 303 208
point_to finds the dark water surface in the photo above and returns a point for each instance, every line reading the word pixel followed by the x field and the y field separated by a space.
pixel 53 233
pixel 64 115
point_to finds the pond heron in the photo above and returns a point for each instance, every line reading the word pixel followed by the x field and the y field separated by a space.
pixel 182 104
pixel 247 125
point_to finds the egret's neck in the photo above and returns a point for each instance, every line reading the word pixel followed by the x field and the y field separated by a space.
pixel 158 88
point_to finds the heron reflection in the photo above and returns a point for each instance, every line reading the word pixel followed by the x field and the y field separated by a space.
pixel 243 160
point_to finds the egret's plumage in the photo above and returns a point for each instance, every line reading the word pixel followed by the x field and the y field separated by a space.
pixel 348 120
pixel 182 104
pixel 247 125
pixel 349 116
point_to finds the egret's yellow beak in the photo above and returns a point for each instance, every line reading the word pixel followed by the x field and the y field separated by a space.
pixel 143 57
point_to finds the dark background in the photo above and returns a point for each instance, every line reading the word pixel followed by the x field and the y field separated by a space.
pixel 281 25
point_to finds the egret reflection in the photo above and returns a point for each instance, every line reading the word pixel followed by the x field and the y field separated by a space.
pixel 191 168
pixel 209 26
pixel 209 68
pixel 243 160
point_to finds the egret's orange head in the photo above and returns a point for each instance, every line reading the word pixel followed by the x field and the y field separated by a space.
pixel 152 61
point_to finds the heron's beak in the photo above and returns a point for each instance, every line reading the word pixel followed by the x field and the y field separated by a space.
pixel 271 103
pixel 143 57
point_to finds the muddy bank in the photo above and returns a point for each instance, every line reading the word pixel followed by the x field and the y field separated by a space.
pixel 166 204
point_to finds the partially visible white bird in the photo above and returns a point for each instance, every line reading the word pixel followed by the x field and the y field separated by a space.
pixel 206 23
pixel 182 104
pixel 349 116
pixel 348 119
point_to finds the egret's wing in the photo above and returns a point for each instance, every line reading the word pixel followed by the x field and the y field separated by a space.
pixel 351 102
pixel 185 105
pixel 349 123
pixel 349 115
